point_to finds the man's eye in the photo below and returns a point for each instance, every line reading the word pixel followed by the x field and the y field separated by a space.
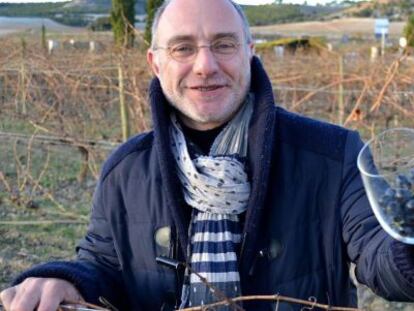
pixel 183 49
pixel 224 46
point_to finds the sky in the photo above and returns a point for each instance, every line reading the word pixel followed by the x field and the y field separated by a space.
pixel 239 1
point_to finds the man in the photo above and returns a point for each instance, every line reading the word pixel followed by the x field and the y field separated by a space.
pixel 255 199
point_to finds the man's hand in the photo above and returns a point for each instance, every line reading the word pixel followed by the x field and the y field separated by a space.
pixel 41 294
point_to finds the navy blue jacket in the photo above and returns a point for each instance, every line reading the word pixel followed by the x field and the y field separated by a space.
pixel 308 217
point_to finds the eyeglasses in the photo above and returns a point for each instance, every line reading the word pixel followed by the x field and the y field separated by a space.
pixel 184 52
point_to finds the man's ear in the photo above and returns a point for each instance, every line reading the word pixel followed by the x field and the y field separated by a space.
pixel 251 50
pixel 153 62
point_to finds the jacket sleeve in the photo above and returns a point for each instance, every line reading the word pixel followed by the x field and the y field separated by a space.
pixel 382 263
pixel 95 272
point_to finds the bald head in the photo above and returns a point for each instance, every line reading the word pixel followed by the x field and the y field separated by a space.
pixel 167 3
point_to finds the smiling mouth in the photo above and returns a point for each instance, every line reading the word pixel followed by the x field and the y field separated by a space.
pixel 207 88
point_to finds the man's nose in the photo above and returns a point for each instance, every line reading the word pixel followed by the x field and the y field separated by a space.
pixel 205 63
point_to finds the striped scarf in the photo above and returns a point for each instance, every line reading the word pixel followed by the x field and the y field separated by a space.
pixel 217 188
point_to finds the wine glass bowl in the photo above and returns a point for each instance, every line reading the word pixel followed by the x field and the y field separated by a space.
pixel 386 163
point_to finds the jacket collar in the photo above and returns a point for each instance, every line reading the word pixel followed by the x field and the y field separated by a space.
pixel 261 136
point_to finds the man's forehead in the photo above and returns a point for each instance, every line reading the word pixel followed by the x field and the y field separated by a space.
pixel 199 18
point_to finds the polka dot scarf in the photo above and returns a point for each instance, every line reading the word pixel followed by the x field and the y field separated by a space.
pixel 217 188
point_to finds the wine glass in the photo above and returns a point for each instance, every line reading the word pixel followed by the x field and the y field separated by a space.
pixel 386 163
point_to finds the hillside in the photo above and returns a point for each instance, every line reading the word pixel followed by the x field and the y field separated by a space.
pixel 398 10
pixel 73 12
pixel 102 5
pixel 70 7
pixel 269 14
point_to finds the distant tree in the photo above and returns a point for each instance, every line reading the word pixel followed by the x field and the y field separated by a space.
pixel 405 5
pixel 123 20
pixel 365 12
pixel 101 24
pixel 268 14
pixel 152 6
pixel 409 31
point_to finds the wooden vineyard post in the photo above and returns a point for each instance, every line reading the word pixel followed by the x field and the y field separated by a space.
pixel 23 87
pixel 21 91
pixel 341 108
pixel 122 104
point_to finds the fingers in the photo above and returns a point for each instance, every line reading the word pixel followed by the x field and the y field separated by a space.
pixel 49 301
pixel 6 297
pixel 56 291
pixel 26 296
pixel 41 294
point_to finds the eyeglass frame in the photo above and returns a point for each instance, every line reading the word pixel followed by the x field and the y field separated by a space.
pixel 197 49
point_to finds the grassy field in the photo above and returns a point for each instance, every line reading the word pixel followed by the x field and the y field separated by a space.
pixel 44 205
pixel 73 96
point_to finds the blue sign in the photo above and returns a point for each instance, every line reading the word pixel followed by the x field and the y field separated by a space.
pixel 382 26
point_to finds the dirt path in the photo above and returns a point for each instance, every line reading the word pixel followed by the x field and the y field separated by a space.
pixel 338 27
pixel 10 25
